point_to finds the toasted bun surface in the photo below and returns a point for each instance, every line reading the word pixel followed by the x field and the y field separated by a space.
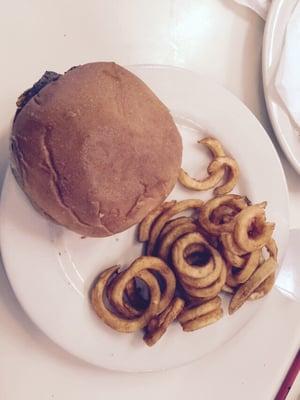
pixel 95 150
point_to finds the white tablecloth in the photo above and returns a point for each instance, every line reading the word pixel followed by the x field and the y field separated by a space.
pixel 215 37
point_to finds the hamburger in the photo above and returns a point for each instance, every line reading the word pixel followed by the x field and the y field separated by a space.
pixel 94 149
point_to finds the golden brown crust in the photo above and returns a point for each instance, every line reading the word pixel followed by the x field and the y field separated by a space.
pixel 96 150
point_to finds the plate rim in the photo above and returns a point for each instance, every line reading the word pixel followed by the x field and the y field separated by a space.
pixel 267 55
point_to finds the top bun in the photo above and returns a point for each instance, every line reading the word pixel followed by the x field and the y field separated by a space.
pixel 95 150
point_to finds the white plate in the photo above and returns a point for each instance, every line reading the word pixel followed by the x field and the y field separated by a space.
pixel 51 269
pixel 286 131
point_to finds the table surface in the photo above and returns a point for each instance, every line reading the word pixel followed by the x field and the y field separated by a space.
pixel 215 37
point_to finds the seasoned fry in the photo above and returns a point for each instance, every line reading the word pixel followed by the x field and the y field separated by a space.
pixel 174 223
pixel 220 163
pixel 133 308
pixel 202 321
pixel 145 225
pixel 271 246
pixel 165 216
pixel 213 178
pixel 245 290
pixel 205 184
pixel 244 274
pixel 244 220
pixel 162 322
pixel 209 291
pixel 208 208
pixel 130 310
pixel 264 288
pixel 233 259
pixel 196 254
pixel 229 244
pixel 222 214
pixel 157 320
pixel 190 313
pixel 131 290
pixel 170 238
pixel 181 265
pixel 114 321
pixel 227 247
pixel 213 145
pixel 143 263
pixel 208 280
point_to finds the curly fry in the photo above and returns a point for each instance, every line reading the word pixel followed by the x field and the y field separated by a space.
pixel 165 216
pixel 114 321
pixel 145 225
pixel 160 326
